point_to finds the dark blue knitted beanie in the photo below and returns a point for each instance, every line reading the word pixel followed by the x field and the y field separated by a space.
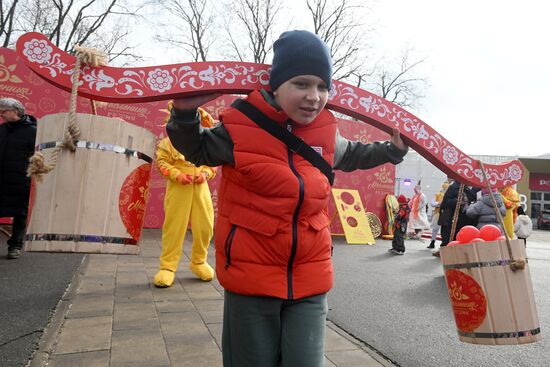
pixel 299 53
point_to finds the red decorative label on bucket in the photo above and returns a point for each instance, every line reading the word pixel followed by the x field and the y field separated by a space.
pixel 133 199
pixel 468 300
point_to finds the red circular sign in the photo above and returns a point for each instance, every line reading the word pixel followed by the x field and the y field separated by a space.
pixel 132 199
pixel 468 300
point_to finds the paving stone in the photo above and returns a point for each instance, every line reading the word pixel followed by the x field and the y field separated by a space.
pixel 197 291
pixel 138 315
pixel 85 305
pixel 84 335
pixel 104 285
pixel 87 359
pixel 139 348
pixel 202 352
pixel 352 358
pixel 216 332
pixel 210 359
pixel 328 363
pixel 133 293
pixel 176 325
pixel 336 342
pixel 173 293
pixel 171 306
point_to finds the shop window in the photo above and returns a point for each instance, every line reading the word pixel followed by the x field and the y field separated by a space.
pixel 547 196
pixel 536 195
pixel 535 210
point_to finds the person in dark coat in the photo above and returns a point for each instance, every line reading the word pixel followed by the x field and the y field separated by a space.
pixel 17 139
pixel 447 209
pixel 484 210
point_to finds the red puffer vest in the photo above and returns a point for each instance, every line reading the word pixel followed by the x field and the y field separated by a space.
pixel 272 232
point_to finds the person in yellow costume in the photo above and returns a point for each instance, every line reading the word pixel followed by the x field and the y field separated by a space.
pixel 187 197
pixel 511 202
pixel 392 206
pixel 435 214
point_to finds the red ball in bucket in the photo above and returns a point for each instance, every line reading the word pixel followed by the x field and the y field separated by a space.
pixel 467 233
pixel 500 238
pixel 490 232
pixel 454 243
pixel 477 240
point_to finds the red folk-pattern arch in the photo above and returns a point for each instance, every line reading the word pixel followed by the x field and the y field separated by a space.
pixel 154 83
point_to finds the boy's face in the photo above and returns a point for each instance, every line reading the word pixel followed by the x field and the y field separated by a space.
pixel 302 98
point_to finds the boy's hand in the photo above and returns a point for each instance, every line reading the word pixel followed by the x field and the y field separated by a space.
pixel 397 141
pixel 192 103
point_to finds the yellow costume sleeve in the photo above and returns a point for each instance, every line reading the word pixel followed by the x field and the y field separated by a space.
pixel 207 121
pixel 166 160
pixel 210 172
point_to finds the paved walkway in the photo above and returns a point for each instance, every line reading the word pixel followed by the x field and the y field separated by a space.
pixel 111 315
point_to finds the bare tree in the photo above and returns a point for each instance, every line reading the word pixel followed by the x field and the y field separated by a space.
pixel 338 26
pixel 93 23
pixel 399 84
pixel 7 15
pixel 193 21
pixel 257 17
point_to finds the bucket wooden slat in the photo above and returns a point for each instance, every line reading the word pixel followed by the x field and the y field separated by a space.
pixel 80 197
pixel 510 303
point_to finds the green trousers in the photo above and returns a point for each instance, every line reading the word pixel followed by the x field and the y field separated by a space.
pixel 272 332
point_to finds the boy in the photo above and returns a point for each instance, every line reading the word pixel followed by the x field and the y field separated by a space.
pixel 272 237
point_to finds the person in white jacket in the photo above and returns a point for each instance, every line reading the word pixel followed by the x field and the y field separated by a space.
pixel 418 220
pixel 523 225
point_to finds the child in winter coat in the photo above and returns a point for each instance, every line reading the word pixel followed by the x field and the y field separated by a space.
pixel 400 224
pixel 484 209
pixel 523 225
pixel 272 236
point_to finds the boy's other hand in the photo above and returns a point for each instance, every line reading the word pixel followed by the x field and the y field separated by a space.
pixel 397 141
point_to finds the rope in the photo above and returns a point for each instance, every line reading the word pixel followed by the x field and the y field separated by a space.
pixel 37 163
pixel 515 264
pixel 457 209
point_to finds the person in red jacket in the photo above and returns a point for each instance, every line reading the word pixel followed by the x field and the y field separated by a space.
pixel 272 236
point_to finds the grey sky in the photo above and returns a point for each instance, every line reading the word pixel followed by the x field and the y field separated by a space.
pixel 488 66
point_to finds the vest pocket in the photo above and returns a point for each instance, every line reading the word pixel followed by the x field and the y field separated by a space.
pixel 255 221
pixel 319 221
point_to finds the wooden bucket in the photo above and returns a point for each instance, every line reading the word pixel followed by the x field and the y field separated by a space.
pixel 94 199
pixel 491 303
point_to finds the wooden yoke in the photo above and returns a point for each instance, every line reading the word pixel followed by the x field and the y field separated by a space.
pixel 154 83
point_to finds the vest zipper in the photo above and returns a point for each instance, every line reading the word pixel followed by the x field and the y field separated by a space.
pixel 228 244
pixel 290 294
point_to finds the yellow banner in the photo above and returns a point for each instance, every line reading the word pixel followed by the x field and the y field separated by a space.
pixel 353 217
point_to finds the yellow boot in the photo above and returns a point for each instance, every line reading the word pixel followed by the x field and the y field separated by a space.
pixel 204 271
pixel 164 278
